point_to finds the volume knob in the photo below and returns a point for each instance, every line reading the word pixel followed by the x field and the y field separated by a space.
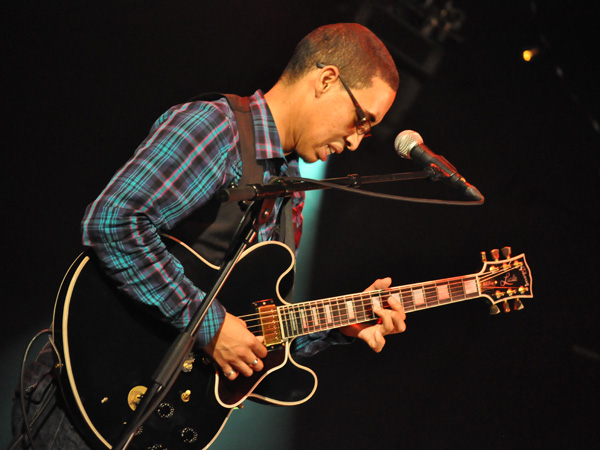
pixel 189 435
pixel 165 410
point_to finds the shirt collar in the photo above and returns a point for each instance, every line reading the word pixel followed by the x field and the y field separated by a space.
pixel 266 137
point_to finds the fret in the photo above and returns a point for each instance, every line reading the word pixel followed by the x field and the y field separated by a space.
pixel 316 312
pixel 283 320
pixel 431 297
pixel 298 320
pixel 316 319
pixel 328 314
pixel 311 319
pixel 359 309
pixel 350 312
pixel 295 320
pixel 335 312
pixel 442 291
pixel 304 319
pixel 376 301
pixel 457 291
pixel 418 297
pixel 286 320
pixel 322 316
pixel 341 312
pixel 369 305
pixel 407 299
pixel 396 296
pixel 316 316
pixel 471 287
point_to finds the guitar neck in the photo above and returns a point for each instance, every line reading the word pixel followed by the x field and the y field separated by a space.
pixel 325 314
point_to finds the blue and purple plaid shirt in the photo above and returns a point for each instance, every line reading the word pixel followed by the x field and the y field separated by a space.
pixel 190 153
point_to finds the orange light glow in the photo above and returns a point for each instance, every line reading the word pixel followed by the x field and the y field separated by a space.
pixel 529 54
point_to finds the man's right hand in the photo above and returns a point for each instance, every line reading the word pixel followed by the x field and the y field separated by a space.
pixel 235 349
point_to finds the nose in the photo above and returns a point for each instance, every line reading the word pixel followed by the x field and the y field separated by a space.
pixel 353 141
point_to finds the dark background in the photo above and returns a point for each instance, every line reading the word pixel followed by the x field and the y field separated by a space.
pixel 87 79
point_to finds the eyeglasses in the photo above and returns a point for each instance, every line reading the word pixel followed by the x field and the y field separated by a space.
pixel 362 124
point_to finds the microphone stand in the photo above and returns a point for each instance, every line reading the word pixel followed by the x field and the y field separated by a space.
pixel 257 213
pixel 284 186
pixel 167 371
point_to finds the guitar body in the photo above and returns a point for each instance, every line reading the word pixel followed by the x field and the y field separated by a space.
pixel 111 345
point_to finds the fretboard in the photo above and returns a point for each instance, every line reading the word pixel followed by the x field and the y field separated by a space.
pixel 319 315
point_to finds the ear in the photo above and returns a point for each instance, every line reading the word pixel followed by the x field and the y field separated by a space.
pixel 325 79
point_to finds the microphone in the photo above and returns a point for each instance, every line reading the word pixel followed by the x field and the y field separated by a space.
pixel 409 144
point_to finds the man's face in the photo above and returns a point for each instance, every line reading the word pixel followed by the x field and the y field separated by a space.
pixel 331 123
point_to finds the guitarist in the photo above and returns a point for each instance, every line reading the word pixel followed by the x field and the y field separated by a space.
pixel 339 83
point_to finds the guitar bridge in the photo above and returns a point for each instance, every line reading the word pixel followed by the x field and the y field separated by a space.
pixel 269 322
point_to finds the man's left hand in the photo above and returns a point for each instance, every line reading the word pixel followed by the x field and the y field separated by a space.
pixel 391 321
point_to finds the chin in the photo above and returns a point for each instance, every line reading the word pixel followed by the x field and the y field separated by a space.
pixel 308 159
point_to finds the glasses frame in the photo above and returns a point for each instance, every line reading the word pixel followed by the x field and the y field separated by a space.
pixel 362 123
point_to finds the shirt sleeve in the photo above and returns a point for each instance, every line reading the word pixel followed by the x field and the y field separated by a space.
pixel 189 154
pixel 311 344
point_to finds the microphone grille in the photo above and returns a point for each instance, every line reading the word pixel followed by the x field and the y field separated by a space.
pixel 405 142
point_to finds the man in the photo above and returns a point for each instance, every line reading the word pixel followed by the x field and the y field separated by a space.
pixel 340 82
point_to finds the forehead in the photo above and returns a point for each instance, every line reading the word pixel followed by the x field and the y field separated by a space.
pixel 375 100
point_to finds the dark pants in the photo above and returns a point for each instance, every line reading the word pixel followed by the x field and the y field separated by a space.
pixel 51 429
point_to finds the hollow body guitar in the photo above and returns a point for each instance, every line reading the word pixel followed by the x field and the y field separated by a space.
pixel 110 345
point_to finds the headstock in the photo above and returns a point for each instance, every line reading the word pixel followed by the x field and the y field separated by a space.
pixel 504 280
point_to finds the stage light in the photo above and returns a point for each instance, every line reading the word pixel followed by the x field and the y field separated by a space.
pixel 530 53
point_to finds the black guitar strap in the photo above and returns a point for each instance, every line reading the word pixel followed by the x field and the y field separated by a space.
pixel 252 170
pixel 211 228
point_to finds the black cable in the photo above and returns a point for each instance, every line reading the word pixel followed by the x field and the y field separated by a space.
pixel 387 196
pixel 27 424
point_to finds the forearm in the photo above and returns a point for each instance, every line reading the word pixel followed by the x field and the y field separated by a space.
pixel 158 187
pixel 143 268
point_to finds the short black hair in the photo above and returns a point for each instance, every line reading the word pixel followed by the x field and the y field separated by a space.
pixel 357 52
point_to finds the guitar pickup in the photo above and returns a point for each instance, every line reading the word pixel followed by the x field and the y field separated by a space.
pixel 269 322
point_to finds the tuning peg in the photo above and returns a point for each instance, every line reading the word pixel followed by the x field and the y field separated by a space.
pixel 505 307
pixel 483 257
pixel 494 309
pixel 506 251
pixel 495 254
pixel 523 289
pixel 518 305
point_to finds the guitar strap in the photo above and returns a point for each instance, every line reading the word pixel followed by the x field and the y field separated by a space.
pixel 210 229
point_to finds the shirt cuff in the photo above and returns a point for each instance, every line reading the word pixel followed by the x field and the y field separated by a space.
pixel 213 320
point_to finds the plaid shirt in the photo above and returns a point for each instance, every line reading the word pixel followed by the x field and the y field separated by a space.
pixel 190 153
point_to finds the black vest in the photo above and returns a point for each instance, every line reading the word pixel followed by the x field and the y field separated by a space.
pixel 210 229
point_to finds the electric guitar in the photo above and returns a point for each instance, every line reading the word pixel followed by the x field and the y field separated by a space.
pixel 110 345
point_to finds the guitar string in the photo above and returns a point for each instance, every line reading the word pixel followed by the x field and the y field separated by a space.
pixel 342 318
pixel 318 319
pixel 363 303
pixel 453 285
